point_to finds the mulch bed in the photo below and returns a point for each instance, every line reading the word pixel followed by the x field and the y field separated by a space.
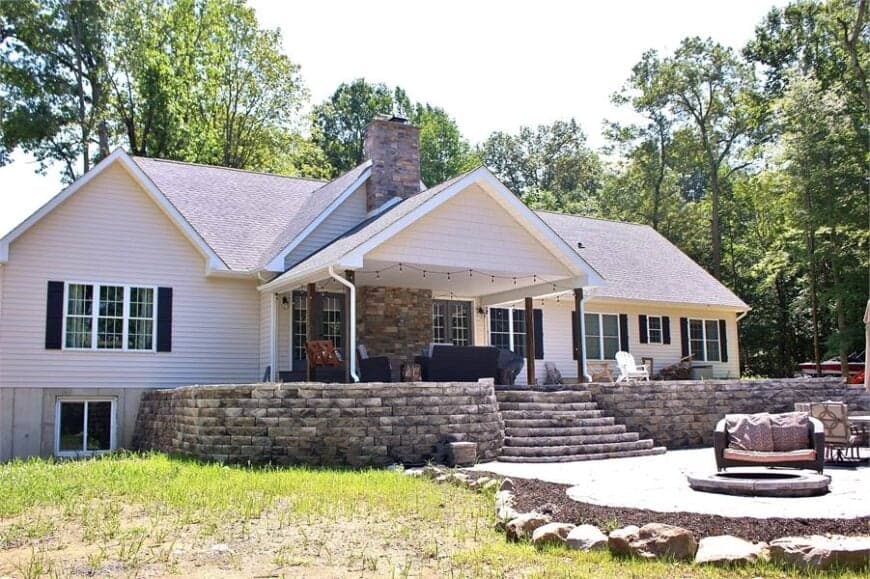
pixel 551 498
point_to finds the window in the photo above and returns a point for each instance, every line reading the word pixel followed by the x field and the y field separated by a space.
pixel 704 340
pixel 654 329
pixel 84 426
pixel 451 322
pixel 507 329
pixel 602 336
pixel 300 325
pixel 109 317
pixel 331 319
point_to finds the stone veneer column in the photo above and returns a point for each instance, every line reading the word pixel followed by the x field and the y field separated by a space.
pixel 393 146
pixel 395 322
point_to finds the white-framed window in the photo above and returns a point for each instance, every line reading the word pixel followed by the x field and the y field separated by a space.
pixel 654 329
pixel 84 426
pixel 451 322
pixel 507 329
pixel 109 317
pixel 704 340
pixel 602 336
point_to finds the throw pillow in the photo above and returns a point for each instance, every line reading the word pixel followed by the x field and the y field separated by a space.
pixel 749 432
pixel 790 431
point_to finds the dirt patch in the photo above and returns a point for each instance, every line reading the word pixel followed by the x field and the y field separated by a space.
pixel 552 498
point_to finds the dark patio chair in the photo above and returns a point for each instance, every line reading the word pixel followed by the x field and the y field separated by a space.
pixel 510 364
pixel 374 369
pixel 459 364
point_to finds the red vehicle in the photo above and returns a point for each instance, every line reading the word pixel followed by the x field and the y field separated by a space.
pixel 832 367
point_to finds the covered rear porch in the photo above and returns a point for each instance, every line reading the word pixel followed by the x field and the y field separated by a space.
pixel 424 272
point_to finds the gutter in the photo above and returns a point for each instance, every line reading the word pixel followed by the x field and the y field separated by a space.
pixel 351 357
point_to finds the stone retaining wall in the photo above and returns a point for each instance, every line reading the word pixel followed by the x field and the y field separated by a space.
pixel 684 414
pixel 320 424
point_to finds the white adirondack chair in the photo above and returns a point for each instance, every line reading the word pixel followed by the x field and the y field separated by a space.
pixel 628 369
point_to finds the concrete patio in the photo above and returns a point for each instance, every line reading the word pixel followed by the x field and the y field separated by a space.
pixel 658 483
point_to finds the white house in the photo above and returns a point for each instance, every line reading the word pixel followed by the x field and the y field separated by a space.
pixel 148 273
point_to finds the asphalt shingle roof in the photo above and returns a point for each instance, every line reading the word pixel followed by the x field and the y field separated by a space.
pixel 243 215
pixel 639 263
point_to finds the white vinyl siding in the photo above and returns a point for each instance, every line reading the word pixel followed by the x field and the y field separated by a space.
pixel 345 217
pixel 470 231
pixel 215 321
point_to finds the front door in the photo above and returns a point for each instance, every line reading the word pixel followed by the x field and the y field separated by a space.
pixel 330 323
pixel 451 322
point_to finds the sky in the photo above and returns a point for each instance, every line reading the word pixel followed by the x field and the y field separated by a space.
pixel 491 65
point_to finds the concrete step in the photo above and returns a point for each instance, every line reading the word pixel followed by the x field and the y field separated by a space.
pixel 573 450
pixel 546 388
pixel 588 456
pixel 565 430
pixel 551 397
pixel 550 414
pixel 547 406
pixel 560 422
pixel 559 440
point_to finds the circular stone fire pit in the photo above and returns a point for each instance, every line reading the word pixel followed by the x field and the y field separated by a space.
pixel 762 483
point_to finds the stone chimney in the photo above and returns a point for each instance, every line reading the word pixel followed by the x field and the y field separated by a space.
pixel 393 146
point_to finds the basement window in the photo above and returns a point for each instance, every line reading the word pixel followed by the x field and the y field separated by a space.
pixel 84 426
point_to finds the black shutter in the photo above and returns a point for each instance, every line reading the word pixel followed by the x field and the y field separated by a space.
pixel 723 342
pixel 684 336
pixel 54 316
pixel 666 330
pixel 623 332
pixel 574 333
pixel 644 338
pixel 538 317
pixel 164 319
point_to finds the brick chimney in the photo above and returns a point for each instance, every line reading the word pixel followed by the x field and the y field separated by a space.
pixel 394 149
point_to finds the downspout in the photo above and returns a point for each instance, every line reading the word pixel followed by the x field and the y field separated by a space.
pixel 351 356
pixel 742 315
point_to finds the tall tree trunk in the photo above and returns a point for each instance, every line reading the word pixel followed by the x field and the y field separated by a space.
pixel 784 339
pixel 76 30
pixel 715 226
pixel 814 285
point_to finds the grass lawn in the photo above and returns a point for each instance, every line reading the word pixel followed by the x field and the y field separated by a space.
pixel 134 515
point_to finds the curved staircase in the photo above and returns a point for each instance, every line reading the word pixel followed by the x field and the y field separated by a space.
pixel 563 426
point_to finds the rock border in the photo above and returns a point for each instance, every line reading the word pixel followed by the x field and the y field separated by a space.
pixel 657 540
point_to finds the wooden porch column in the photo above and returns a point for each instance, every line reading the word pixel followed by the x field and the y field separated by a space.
pixel 530 342
pixel 310 329
pixel 578 331
pixel 349 276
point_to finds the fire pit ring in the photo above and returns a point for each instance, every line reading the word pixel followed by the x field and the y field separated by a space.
pixel 764 483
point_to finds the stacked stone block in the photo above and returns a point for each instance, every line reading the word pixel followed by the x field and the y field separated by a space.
pixel 683 414
pixel 395 322
pixel 319 424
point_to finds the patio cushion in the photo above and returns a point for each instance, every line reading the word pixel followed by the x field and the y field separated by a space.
pixel 803 454
pixel 749 432
pixel 790 431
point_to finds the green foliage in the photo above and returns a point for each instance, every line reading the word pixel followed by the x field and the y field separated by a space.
pixel 550 166
pixel 338 128
pixel 52 66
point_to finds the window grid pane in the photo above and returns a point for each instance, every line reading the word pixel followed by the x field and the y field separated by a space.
pixel 300 325
pixel 79 320
pixel 331 327
pixel 696 340
pixel 654 329
pixel 499 328
pixel 99 421
pixel 110 319
pixel 519 332
pixel 439 322
pixel 72 427
pixel 460 323
pixel 711 330
pixel 140 327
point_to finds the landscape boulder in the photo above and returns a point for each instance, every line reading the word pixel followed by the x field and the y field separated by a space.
pixel 821 553
pixel 551 534
pixel 524 525
pixel 587 538
pixel 729 550
pixel 504 506
pixel 619 541
pixel 652 541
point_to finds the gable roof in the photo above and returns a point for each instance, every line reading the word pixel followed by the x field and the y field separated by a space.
pixel 118 156
pixel 347 250
pixel 639 263
pixel 238 213
pixel 321 203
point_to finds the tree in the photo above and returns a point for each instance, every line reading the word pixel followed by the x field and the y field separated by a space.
pixel 339 123
pixel 52 89
pixel 710 91
pixel 199 80
pixel 550 164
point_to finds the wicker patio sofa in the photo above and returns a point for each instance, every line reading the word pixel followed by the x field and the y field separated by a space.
pixel 791 439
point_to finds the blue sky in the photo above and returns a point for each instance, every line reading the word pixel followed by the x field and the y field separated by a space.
pixel 491 65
